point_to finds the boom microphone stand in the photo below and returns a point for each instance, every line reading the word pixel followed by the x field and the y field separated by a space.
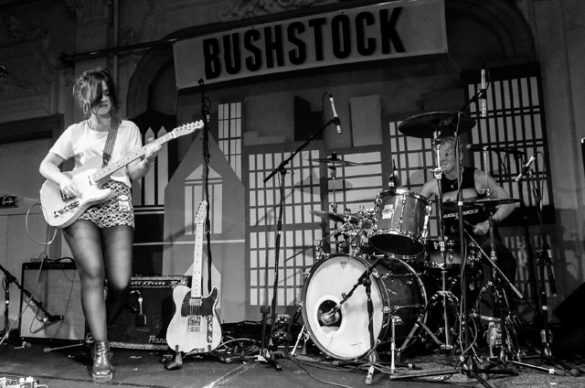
pixel 9 278
pixel 265 354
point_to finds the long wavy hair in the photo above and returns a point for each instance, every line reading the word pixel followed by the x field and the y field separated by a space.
pixel 88 92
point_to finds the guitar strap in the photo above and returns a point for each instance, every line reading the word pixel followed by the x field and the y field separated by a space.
pixel 109 147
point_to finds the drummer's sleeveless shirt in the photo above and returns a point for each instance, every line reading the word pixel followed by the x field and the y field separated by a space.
pixel 471 216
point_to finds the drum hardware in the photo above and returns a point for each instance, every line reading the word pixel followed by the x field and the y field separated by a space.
pixel 420 323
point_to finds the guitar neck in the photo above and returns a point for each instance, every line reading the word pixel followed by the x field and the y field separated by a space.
pixel 197 262
pixel 115 166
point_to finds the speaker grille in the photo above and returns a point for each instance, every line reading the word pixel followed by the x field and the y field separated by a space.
pixel 131 332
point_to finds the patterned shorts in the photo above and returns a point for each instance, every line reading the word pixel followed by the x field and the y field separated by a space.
pixel 117 210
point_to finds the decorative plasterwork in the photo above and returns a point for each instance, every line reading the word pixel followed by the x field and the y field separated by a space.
pixel 242 9
pixel 88 11
pixel 13 30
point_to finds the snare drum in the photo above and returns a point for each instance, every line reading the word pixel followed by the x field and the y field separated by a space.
pixel 401 222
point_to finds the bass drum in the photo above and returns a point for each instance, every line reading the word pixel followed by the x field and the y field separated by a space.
pixel 396 291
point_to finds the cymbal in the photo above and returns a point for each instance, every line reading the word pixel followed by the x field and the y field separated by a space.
pixel 426 124
pixel 485 202
pixel 490 201
pixel 340 217
pixel 334 160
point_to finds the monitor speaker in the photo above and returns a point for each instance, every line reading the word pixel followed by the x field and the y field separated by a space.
pixel 570 312
pixel 143 323
pixel 56 287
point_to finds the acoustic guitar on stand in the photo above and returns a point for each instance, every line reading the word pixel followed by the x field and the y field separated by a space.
pixel 61 211
pixel 195 327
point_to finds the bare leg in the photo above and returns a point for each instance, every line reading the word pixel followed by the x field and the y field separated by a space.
pixel 118 264
pixel 84 239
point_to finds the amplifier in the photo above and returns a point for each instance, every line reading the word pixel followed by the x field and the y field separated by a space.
pixel 57 287
pixel 143 323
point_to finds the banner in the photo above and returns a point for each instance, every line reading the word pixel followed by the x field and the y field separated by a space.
pixel 381 31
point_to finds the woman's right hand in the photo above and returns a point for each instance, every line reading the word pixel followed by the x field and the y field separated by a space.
pixel 68 188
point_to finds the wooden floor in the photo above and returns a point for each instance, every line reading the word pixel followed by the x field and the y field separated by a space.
pixel 68 368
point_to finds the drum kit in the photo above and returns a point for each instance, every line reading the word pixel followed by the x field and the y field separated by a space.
pixel 389 285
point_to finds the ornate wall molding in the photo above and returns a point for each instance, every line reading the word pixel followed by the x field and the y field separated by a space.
pixel 243 9
pixel 88 11
pixel 14 30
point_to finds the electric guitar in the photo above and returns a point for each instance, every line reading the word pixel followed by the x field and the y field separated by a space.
pixel 195 327
pixel 61 211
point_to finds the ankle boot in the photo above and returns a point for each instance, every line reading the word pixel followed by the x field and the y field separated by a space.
pixel 102 370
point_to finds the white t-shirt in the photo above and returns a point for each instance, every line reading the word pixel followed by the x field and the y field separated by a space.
pixel 82 143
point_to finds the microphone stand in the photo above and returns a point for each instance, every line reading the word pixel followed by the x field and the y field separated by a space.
pixel 9 278
pixel 265 354
pixel 529 248
pixel 544 261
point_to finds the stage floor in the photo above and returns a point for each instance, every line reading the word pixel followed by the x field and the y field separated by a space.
pixel 68 368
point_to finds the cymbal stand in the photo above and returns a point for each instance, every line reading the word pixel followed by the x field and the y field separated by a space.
pixel 445 294
pixel 500 303
pixel 544 262
pixel 468 364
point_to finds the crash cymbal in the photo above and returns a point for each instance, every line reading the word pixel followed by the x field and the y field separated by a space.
pixel 426 124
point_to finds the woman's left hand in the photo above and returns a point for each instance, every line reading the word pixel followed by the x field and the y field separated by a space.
pixel 150 152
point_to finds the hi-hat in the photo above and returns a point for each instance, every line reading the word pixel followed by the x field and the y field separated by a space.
pixel 443 123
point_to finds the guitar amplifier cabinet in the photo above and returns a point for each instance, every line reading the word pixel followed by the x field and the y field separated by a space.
pixel 146 329
pixel 58 288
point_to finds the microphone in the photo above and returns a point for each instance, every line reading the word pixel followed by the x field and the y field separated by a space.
pixel 481 147
pixel 393 180
pixel 525 168
pixel 335 116
pixel 482 95
pixel 140 319
pixel 331 317
pixel 50 318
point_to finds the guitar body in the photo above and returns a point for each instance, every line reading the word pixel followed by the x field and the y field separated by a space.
pixel 194 327
pixel 62 212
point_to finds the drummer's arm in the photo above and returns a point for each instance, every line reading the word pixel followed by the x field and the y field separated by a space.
pixel 429 188
pixel 496 192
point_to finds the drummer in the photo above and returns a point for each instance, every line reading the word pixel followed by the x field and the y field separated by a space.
pixel 473 186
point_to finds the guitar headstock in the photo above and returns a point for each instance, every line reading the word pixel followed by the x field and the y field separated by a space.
pixel 201 212
pixel 188 128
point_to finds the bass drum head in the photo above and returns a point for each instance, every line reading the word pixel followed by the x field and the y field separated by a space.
pixel 348 336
